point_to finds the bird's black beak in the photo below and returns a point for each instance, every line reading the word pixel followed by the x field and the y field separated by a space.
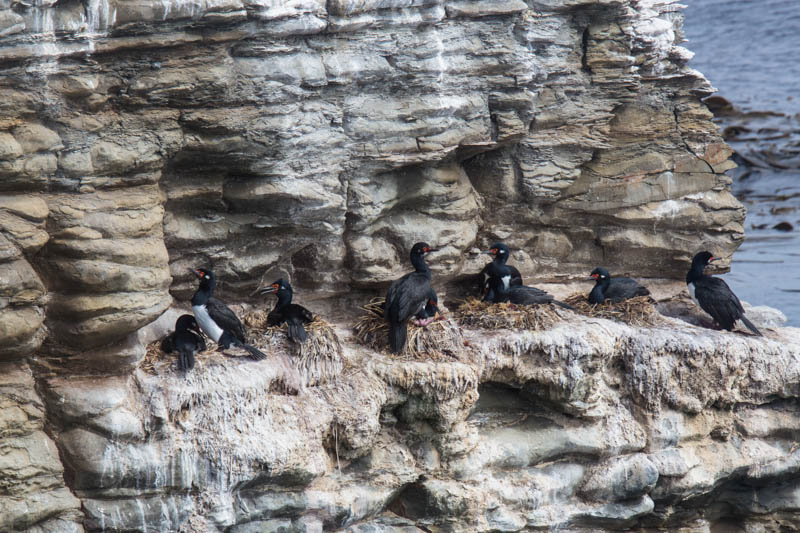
pixel 196 272
pixel 487 252
pixel 713 259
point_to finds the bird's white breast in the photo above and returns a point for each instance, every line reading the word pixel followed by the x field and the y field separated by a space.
pixel 506 281
pixel 691 292
pixel 205 322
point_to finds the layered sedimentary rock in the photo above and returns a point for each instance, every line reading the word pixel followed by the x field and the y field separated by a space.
pixel 319 140
pixel 586 426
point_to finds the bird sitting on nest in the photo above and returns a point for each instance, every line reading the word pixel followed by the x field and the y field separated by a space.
pixel 408 296
pixel 186 340
pixel 496 269
pixel 294 315
pixel 614 290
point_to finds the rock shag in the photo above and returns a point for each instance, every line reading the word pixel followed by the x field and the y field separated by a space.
pixel 294 315
pixel 186 340
pixel 408 296
pixel 714 296
pixel 501 292
pixel 496 268
pixel 216 319
pixel 614 289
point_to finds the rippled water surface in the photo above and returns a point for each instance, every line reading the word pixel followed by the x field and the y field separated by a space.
pixel 748 50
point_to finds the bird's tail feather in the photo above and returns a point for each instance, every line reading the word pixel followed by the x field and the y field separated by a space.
pixel 562 304
pixel 297 333
pixel 397 336
pixel 255 353
pixel 750 326
pixel 185 360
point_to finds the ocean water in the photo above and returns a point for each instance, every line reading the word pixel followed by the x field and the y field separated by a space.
pixel 748 50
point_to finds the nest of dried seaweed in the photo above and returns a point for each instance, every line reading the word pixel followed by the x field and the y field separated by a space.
pixel 319 359
pixel 638 311
pixel 440 340
pixel 487 315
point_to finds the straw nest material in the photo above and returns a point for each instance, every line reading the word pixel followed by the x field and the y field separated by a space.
pixel 319 359
pixel 638 311
pixel 157 362
pixel 487 315
pixel 440 340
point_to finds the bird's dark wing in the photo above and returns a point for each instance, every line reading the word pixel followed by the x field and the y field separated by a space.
pixel 225 318
pixel 297 333
pixel 516 277
pixel 391 294
pixel 623 288
pixel 168 343
pixel 406 296
pixel 717 299
pixel 299 312
pixel 412 295
pixel 523 295
pixel 275 318
pixel 296 315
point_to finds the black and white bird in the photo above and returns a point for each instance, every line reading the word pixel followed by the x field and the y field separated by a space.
pixel 186 340
pixel 408 296
pixel 294 315
pixel 519 294
pixel 714 296
pixel 216 319
pixel 500 253
pixel 614 289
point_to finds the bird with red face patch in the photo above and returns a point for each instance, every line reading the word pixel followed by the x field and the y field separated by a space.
pixel 285 311
pixel 714 296
pixel 496 268
pixel 408 296
pixel 216 319
pixel 614 289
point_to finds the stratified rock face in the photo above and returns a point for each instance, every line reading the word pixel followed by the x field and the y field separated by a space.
pixel 320 139
pixel 588 426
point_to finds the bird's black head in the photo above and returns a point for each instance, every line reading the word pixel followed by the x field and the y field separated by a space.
pixel 422 249
pixel 600 274
pixel 205 276
pixel 277 287
pixel 185 322
pixel 498 249
pixel 702 260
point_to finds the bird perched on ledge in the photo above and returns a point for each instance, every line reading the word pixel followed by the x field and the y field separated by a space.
pixel 520 294
pixel 500 253
pixel 614 289
pixel 216 319
pixel 408 296
pixel 714 296
pixel 285 311
pixel 186 340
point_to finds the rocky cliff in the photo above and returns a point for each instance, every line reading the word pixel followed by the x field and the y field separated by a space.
pixel 318 140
